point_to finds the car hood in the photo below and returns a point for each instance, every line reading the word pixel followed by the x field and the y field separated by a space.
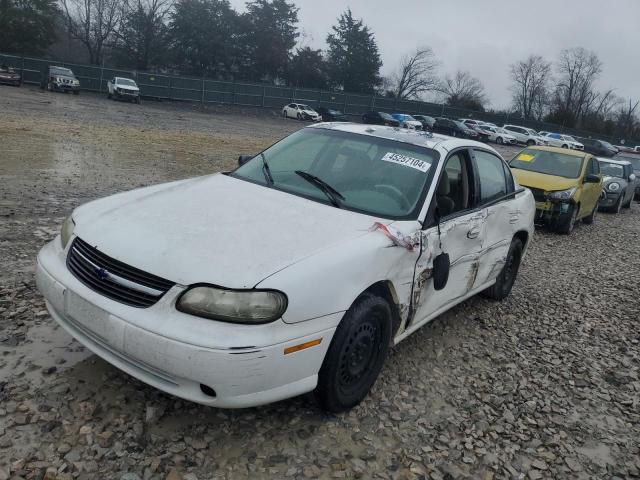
pixel 543 181
pixel 310 112
pixel 609 179
pixel 64 77
pixel 214 229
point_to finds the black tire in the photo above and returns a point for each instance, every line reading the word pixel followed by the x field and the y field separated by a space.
pixel 568 221
pixel 618 206
pixel 565 146
pixel 628 204
pixel 504 283
pixel 138 100
pixel 109 96
pixel 588 220
pixel 76 92
pixel 530 143
pixel 499 141
pixel 299 116
pixel 356 354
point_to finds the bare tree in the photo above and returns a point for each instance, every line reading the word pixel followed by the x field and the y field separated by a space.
pixel 574 94
pixel 416 74
pixel 463 90
pixel 92 22
pixel 530 85
pixel 627 120
pixel 142 36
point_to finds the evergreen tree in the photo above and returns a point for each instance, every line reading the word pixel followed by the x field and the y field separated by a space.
pixel 353 58
pixel 27 26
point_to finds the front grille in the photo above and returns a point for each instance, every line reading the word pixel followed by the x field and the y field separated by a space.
pixel 538 194
pixel 114 279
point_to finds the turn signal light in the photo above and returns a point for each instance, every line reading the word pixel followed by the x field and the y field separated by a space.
pixel 302 346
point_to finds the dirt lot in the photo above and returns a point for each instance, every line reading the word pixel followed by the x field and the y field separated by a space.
pixel 543 385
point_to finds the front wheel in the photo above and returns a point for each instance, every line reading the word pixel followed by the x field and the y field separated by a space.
pixel 568 221
pixel 504 283
pixel 356 354
pixel 499 141
pixel 530 143
pixel 588 220
pixel 628 204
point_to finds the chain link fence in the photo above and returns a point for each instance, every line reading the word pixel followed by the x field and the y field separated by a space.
pixel 205 90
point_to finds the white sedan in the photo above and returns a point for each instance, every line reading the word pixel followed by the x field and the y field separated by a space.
pixel 301 112
pixel 120 88
pixel 293 273
pixel 500 135
pixel 563 141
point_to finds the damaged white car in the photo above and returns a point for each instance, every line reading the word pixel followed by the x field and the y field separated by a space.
pixel 293 273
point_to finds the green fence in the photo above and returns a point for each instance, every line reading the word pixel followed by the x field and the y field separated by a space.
pixel 205 90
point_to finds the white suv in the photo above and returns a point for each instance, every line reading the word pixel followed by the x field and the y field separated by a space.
pixel 525 135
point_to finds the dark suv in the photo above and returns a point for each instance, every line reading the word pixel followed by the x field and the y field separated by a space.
pixel 60 79
pixel 380 118
pixel 426 121
pixel 598 147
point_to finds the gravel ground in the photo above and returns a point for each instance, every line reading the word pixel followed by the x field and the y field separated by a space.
pixel 543 385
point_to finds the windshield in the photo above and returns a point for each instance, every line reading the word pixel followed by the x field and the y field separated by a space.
pixel 126 81
pixel 635 161
pixel 570 138
pixel 611 169
pixel 550 163
pixel 386 116
pixel 376 176
pixel 61 71
pixel 607 144
pixel 531 132
pixel 304 107
pixel 461 125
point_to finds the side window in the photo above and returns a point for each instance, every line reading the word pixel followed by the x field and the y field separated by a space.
pixel 453 189
pixel 491 175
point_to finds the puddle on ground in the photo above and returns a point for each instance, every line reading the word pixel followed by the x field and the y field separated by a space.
pixel 47 345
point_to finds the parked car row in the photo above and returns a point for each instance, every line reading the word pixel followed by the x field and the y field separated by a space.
pixel 9 76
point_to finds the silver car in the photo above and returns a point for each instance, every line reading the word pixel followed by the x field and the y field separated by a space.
pixel 618 185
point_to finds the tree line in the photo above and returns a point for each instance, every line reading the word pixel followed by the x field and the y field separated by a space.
pixel 210 38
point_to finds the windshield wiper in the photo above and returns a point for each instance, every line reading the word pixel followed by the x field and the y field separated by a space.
pixel 266 171
pixel 332 194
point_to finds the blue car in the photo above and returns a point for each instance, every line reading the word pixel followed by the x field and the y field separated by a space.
pixel 407 121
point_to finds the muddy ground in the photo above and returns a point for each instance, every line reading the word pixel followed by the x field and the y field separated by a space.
pixel 543 385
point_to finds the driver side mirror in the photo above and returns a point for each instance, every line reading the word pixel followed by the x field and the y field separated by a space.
pixel 591 178
pixel 242 159
pixel 632 177
pixel 441 267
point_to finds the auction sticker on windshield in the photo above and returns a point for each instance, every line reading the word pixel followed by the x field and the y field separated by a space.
pixel 525 157
pixel 407 161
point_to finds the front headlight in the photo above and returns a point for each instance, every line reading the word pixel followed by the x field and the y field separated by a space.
pixel 562 194
pixel 66 231
pixel 235 306
pixel 76 82
pixel 613 187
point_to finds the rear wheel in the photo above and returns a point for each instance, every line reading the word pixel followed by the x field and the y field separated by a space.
pixel 504 283
pixel 356 354
pixel 565 146
pixel 628 204
pixel 530 143
pixel 499 141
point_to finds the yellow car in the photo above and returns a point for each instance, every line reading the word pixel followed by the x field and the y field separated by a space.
pixel 566 184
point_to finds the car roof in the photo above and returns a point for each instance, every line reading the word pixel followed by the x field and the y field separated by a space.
pixel 565 151
pixel 413 137
pixel 611 160
pixel 125 78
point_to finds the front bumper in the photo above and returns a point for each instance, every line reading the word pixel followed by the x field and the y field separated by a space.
pixel 179 353
pixel 550 213
pixel 609 200
pixel 65 87
pixel 126 94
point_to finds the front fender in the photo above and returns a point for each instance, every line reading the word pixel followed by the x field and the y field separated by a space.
pixel 331 280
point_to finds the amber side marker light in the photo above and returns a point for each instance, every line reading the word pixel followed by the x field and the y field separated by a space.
pixel 302 346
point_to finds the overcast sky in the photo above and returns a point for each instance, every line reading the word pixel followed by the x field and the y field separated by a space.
pixel 486 36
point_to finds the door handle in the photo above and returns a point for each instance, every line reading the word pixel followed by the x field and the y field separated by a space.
pixel 473 233
pixel 514 219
